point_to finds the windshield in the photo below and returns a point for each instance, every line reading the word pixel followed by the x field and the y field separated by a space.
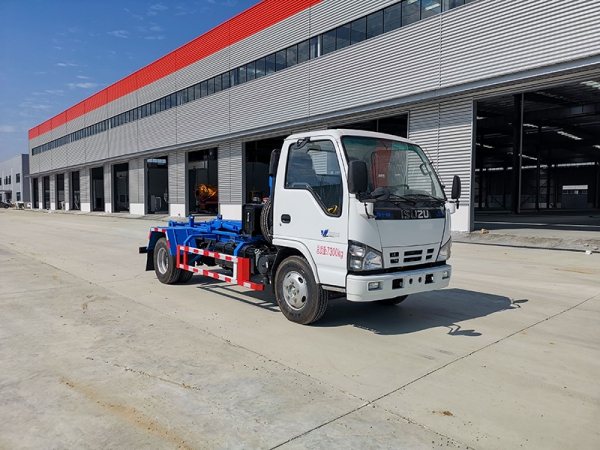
pixel 398 166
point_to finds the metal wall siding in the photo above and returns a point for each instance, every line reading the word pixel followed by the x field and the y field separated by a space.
pixel 97 115
pixel 277 37
pixel 204 118
pixel 44 138
pixel 123 104
pixel 76 152
pixel 236 168
pixel 84 185
pixel 161 88
pixel 59 157
pixel 287 99
pixel 423 126
pixel 123 140
pixel 59 132
pixel 53 190
pixel 333 13
pixel 67 188
pixel 177 171
pixel 158 130
pixel 210 66
pixel 134 186
pixel 46 161
pixel 75 125
pixel 108 197
pixel 33 143
pixel 34 164
pixel 96 148
pixel 491 38
pixel 40 193
pixel 456 144
pixel 370 71
pixel 225 176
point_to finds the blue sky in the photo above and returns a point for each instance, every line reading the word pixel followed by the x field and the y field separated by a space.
pixel 54 54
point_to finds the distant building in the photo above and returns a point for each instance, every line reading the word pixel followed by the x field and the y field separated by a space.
pixel 14 179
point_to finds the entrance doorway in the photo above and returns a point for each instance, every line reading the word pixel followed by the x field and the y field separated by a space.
pixel 203 181
pixel 158 185
pixel 36 193
pixel 121 187
pixel 46 188
pixel 60 191
pixel 98 189
pixel 75 191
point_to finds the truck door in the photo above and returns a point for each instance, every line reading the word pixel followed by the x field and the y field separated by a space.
pixel 310 207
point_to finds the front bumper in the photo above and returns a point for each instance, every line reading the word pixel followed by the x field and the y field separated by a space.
pixel 397 284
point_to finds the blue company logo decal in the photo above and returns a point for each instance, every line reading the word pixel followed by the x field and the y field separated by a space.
pixel 383 215
pixel 329 234
pixel 324 233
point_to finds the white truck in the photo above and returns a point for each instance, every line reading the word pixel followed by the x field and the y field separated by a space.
pixel 351 214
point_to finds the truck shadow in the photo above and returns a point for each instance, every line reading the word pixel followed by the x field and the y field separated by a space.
pixel 437 309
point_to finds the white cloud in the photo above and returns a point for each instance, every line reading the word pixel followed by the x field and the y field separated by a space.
pixel 159 7
pixel 58 48
pixel 119 33
pixel 82 85
pixel 82 77
pixel 156 28
pixel 55 91
pixel 7 129
pixel 154 38
pixel 66 64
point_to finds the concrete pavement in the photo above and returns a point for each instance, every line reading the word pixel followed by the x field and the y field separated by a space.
pixel 96 353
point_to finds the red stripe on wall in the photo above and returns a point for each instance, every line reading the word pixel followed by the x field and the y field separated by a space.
pixel 259 17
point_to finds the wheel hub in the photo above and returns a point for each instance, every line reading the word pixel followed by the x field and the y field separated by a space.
pixel 162 260
pixel 295 290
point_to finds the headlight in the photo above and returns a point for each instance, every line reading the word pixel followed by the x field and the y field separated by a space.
pixel 445 251
pixel 363 257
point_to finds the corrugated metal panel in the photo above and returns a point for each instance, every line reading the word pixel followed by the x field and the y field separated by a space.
pixel 277 37
pixel 225 175
pixel 204 69
pixel 67 188
pixel 59 156
pixel 75 124
pixel 379 69
pixel 236 168
pixel 76 152
pixel 34 164
pixel 46 161
pixel 95 116
pixel 59 132
pixel 123 140
pixel 495 37
pixel 287 99
pixel 96 147
pixel 134 181
pixel 333 13
pixel 53 190
pixel 33 143
pixel 158 89
pixel 423 126
pixel 157 131
pixel 177 176
pixel 123 104
pixel 40 204
pixel 456 144
pixel 84 185
pixel 108 197
pixel 203 118
pixel 44 138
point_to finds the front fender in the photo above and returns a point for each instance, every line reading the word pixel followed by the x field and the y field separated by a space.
pixel 302 249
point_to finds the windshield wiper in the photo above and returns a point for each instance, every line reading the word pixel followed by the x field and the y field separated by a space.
pixel 402 199
pixel 428 196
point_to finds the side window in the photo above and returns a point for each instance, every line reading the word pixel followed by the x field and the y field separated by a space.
pixel 314 167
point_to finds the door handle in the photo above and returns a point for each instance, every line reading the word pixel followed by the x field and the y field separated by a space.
pixel 286 218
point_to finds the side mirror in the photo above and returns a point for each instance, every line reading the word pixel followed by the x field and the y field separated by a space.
pixel 358 178
pixel 274 162
pixel 456 188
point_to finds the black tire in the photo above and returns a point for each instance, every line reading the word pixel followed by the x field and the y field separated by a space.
pixel 165 263
pixel 392 301
pixel 305 302
pixel 184 276
pixel 266 221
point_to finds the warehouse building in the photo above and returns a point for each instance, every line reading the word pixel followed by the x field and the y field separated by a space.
pixel 504 93
pixel 14 184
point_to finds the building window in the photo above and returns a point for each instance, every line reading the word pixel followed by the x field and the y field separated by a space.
pixel 411 11
pixel 18 196
pixel 18 178
pixel 329 41
pixel 303 51
pixel 374 24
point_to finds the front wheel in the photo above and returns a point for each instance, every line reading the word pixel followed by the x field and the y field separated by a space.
pixel 392 301
pixel 165 263
pixel 300 298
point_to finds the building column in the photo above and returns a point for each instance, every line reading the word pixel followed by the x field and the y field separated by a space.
pixel 177 163
pixel 67 191
pixel 40 193
pixel 108 197
pixel 84 189
pixel 137 186
pixel 446 132
pixel 517 160
pixel 53 192
pixel 231 174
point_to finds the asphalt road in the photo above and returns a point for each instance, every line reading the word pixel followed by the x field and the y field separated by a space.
pixel 96 353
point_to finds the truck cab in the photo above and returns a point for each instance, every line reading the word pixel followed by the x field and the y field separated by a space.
pixel 352 214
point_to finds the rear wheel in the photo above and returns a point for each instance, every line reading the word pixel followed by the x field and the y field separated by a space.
pixel 392 301
pixel 184 276
pixel 300 298
pixel 165 263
